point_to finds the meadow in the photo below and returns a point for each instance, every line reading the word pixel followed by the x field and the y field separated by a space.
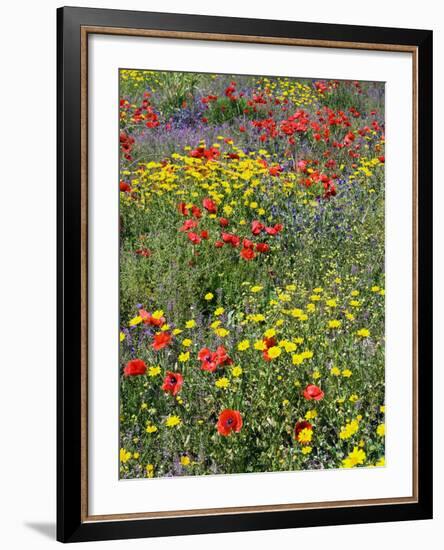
pixel 251 274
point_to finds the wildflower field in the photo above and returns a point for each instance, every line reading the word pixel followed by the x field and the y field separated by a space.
pixel 251 274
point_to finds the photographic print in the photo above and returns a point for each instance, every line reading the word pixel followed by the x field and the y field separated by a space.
pixel 251 274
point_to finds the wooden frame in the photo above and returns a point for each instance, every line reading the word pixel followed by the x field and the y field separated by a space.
pixel 74 26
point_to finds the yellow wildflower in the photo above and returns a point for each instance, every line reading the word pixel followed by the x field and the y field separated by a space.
pixel 185 460
pixel 243 345
pixel 222 383
pixel 305 435
pixel 354 458
pixel 125 455
pixel 236 371
pixel 274 352
pixel 172 421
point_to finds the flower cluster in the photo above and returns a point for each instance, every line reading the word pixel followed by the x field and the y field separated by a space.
pixel 251 274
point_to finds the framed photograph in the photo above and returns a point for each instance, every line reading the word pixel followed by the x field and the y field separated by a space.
pixel 244 274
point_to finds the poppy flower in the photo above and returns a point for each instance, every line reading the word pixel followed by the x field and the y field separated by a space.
pixel 218 244
pixel 230 238
pixel 256 227
pixel 172 383
pixel 262 247
pixel 301 425
pixel 270 230
pixel 222 356
pixel 246 243
pixel 313 392
pixel 193 237
pixel 135 367
pixel 182 209
pixel 161 340
pixel 209 205
pixel 269 342
pixel 275 170
pixel 206 358
pixel 125 187
pixel 148 319
pixel 210 360
pixel 204 234
pixel 229 421
pixel 247 254
pixel 145 252
pixel 196 212
pixel 223 222
pixel 187 225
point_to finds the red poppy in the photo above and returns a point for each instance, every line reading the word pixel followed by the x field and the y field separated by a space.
pixel 205 356
pixel 182 208
pixel 256 227
pixel 187 225
pixel 209 205
pixel 145 252
pixel 135 367
pixel 222 356
pixel 269 342
pixel 275 170
pixel 218 244
pixel 196 212
pixel 246 243
pixel 161 340
pixel 262 247
pixel 210 360
pixel 230 238
pixel 125 187
pixel 148 319
pixel 172 383
pixel 229 421
pixel 223 222
pixel 204 234
pixel 301 425
pixel 313 392
pixel 247 254
pixel 194 237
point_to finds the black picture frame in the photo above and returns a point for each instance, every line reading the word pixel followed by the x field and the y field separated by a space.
pixel 71 524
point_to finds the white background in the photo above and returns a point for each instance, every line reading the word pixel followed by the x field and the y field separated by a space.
pixel 27 218
pixel 107 493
